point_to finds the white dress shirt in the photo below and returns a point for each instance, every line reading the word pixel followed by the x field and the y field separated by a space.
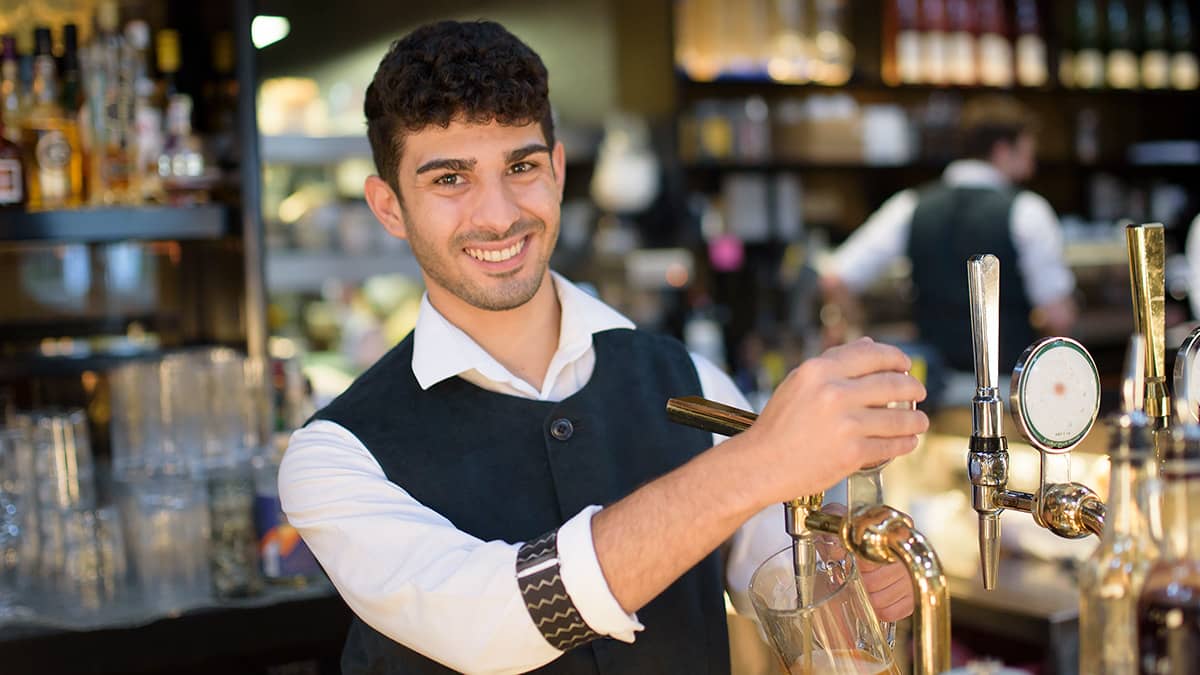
pixel 1034 228
pixel 410 574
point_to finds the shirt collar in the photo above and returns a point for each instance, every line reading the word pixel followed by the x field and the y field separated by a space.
pixel 442 350
pixel 974 172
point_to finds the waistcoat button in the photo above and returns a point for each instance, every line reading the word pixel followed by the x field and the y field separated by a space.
pixel 562 428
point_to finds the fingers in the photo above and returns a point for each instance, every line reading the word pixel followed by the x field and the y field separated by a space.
pixel 895 612
pixel 880 389
pixel 864 356
pixel 890 592
pixel 887 423
pixel 875 450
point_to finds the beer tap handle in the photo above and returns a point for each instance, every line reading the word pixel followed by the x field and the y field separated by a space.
pixel 717 418
pixel 987 460
pixel 1146 263
pixel 983 281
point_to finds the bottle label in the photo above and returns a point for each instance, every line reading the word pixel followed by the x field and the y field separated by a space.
pixel 1122 69
pixel 908 56
pixel 53 155
pixel 1089 69
pixel 933 57
pixel 1185 71
pixel 11 189
pixel 960 49
pixel 1156 69
pixel 1031 61
pixel 995 60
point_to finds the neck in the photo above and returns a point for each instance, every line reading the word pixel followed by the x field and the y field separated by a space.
pixel 522 339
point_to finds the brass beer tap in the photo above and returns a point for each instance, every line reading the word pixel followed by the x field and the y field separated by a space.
pixel 874 532
pixel 1144 244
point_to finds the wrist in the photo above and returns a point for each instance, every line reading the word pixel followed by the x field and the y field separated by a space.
pixel 739 463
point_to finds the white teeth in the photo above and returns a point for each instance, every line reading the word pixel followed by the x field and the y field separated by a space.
pixel 496 256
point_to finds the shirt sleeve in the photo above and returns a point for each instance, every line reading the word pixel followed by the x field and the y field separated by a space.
pixel 1038 240
pixel 875 244
pixel 409 573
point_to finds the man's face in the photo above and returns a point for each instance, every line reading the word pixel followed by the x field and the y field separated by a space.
pixel 480 206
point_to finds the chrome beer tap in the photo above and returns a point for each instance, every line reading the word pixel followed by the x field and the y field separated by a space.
pixel 1055 399
pixel 875 532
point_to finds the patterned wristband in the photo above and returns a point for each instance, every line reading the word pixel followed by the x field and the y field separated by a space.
pixel 545 596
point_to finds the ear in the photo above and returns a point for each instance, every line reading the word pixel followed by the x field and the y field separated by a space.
pixel 558 159
pixel 386 206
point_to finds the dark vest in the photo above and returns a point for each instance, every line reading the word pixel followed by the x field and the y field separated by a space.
pixel 489 463
pixel 951 224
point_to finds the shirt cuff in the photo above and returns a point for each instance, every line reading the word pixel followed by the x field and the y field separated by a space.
pixel 585 582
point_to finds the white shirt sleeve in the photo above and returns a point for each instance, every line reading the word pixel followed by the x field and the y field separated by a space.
pixel 409 573
pixel 875 244
pixel 762 535
pixel 1038 239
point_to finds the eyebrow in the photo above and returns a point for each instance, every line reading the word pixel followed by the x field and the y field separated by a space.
pixel 521 153
pixel 446 164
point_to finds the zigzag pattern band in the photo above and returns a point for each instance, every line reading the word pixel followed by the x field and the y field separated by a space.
pixel 545 596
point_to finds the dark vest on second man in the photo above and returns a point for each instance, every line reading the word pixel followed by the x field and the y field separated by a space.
pixel 949 225
pixel 508 468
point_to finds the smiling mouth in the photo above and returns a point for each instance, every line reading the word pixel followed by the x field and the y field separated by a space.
pixel 497 256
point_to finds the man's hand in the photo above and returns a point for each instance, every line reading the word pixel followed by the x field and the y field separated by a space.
pixel 889 588
pixel 827 420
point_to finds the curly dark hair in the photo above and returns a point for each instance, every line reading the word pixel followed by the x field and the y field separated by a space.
pixel 474 71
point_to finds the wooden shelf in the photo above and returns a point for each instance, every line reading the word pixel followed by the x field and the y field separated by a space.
pixel 211 221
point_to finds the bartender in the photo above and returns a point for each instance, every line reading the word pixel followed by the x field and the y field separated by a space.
pixel 502 491
pixel 976 207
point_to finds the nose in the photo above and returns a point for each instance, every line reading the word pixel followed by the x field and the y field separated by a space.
pixel 495 207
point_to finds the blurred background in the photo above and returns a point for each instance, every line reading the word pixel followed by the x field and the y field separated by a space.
pixel 190 270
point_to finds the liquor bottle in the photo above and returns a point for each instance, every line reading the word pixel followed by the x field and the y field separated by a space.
pixel 1185 70
pixel 1088 60
pixel 1111 581
pixel 960 42
pixel 1156 60
pixel 147 117
pixel 50 139
pixel 789 61
pixel 71 94
pixel 934 56
pixel 1121 64
pixel 166 48
pixel 995 50
pixel 902 43
pixel 833 53
pixel 10 88
pixel 181 164
pixel 1032 70
pixel 111 159
pixel 12 182
pixel 1169 607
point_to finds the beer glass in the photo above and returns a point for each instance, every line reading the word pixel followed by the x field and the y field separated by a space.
pixel 835 630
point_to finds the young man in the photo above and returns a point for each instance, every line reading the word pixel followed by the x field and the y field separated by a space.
pixel 976 207
pixel 502 491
